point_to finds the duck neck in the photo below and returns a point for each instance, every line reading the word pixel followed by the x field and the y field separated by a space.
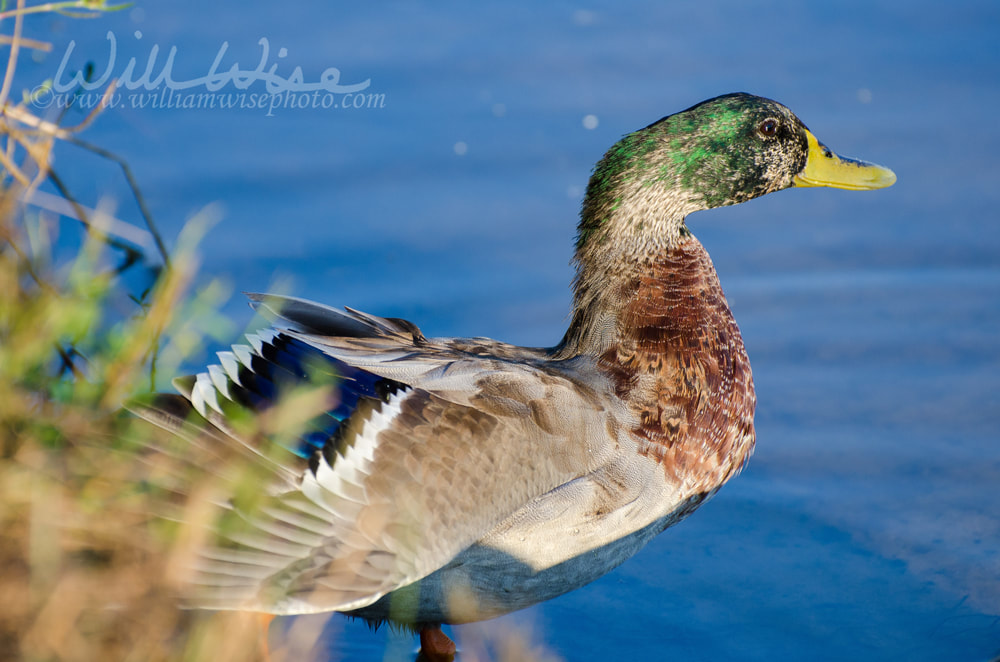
pixel 659 328
pixel 614 274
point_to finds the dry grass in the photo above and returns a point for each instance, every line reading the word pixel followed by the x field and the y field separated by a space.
pixel 87 558
pixel 101 512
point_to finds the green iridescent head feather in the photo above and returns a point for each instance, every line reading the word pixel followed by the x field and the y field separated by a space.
pixel 720 152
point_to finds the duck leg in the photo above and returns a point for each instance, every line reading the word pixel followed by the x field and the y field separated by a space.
pixel 264 622
pixel 435 645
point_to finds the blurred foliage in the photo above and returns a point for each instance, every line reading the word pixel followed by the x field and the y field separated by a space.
pixel 102 513
pixel 90 496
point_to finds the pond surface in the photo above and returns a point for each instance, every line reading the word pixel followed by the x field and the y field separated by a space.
pixel 866 526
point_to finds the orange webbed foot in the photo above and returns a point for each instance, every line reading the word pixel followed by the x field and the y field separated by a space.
pixel 435 645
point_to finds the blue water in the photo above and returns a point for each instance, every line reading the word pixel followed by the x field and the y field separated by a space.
pixel 867 526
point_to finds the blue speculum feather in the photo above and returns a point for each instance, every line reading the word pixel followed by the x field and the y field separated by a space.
pixel 284 363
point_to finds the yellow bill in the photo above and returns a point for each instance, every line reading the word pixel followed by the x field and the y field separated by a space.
pixel 824 168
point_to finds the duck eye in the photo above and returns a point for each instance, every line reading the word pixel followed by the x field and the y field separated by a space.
pixel 768 128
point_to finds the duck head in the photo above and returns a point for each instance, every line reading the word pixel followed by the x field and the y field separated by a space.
pixel 720 152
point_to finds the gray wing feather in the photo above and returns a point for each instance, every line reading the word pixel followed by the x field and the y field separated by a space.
pixel 305 316
pixel 440 476
pixel 482 429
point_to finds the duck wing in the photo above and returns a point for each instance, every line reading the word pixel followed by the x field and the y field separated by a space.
pixel 424 447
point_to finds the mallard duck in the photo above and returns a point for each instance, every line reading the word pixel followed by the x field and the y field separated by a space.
pixel 451 480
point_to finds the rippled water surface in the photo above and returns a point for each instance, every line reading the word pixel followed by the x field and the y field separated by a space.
pixel 866 526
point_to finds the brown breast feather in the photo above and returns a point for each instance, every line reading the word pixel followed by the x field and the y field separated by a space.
pixel 681 366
